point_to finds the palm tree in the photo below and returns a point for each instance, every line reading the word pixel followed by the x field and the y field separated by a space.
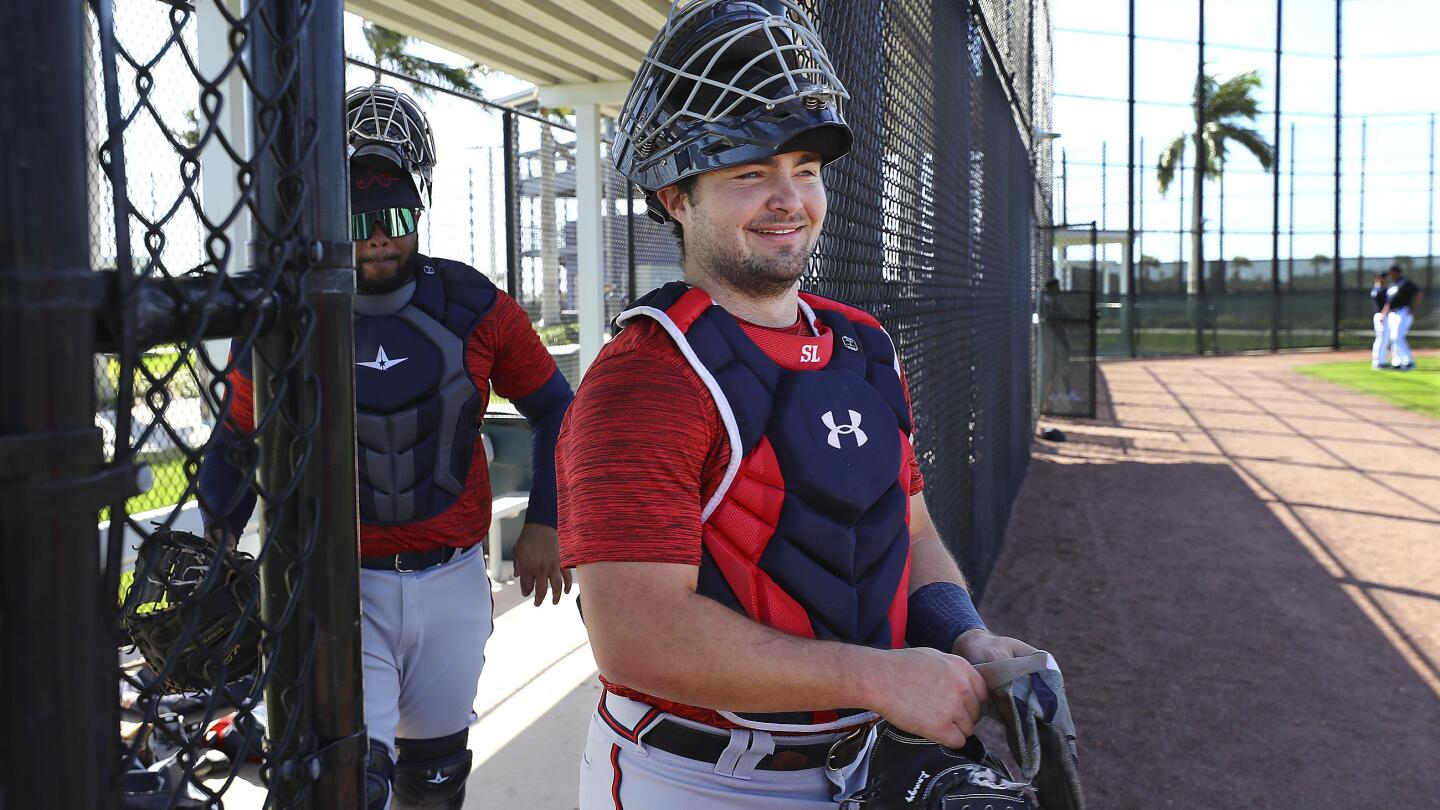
pixel 1229 107
pixel 391 49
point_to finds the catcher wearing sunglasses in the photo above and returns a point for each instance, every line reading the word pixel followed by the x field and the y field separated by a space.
pixel 433 337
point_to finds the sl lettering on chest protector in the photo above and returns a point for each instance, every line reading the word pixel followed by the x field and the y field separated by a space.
pixel 417 411
pixel 808 531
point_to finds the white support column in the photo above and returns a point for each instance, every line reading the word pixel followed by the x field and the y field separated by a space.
pixel 219 186
pixel 590 298
pixel 1124 262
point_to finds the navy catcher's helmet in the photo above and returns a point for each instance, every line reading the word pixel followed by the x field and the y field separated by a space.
pixel 728 82
pixel 382 123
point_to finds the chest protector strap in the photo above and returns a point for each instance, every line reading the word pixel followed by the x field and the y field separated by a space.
pixel 807 531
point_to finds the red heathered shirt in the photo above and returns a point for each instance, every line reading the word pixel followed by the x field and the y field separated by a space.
pixel 642 449
pixel 503 353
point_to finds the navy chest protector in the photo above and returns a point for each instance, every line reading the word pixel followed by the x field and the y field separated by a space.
pixel 808 531
pixel 417 411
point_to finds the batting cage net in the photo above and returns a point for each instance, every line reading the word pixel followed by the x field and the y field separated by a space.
pixel 932 228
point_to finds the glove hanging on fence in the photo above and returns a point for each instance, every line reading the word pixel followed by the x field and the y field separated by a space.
pixel 189 607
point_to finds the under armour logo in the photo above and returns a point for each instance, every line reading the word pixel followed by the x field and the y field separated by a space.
pixel 836 431
pixel 850 343
pixel 385 180
pixel 383 363
pixel 438 778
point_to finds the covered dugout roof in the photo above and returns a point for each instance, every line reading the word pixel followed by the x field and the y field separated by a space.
pixel 548 42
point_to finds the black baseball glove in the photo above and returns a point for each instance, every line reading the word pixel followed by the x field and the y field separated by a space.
pixel 912 773
pixel 189 608
pixel 1027 697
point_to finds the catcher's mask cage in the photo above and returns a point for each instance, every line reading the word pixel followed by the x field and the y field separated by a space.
pixel 727 82
pixel 191 611
pixel 385 124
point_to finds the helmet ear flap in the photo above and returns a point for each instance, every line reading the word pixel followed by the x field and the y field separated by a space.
pixel 655 208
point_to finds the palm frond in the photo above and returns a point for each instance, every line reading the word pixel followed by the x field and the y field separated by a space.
pixel 1170 158
pixel 1235 97
pixel 1253 142
pixel 392 49
pixel 384 43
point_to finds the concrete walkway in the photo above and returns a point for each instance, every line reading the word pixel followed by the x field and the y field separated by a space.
pixel 1238 567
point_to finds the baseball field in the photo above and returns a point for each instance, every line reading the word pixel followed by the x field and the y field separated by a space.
pixel 1418 390
pixel 1237 566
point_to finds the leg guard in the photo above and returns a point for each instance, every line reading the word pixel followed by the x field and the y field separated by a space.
pixel 379 773
pixel 431 774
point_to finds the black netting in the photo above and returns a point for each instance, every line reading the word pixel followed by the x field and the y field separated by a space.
pixel 931 228
pixel 216 219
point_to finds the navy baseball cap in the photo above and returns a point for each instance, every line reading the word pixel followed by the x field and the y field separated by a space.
pixel 377 185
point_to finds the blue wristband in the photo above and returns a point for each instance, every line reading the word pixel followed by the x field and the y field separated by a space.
pixel 939 613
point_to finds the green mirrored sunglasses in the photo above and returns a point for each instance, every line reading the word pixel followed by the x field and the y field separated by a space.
pixel 395 222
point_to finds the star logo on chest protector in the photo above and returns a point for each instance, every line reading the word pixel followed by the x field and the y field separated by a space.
pixel 381 361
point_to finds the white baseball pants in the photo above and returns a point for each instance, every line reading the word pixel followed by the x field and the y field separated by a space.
pixel 1398 324
pixel 423 638
pixel 619 771
pixel 1380 351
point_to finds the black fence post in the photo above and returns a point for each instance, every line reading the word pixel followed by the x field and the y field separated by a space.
pixel 1275 191
pixel 1430 217
pixel 630 292
pixel 1094 314
pixel 1130 298
pixel 57 672
pixel 1199 301
pixel 512 220
pixel 304 405
pixel 1335 268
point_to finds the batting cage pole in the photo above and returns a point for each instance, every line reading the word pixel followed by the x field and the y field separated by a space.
pixel 1130 313
pixel 1275 192
pixel 304 404
pixel 57 686
pixel 1335 268
pixel 1197 217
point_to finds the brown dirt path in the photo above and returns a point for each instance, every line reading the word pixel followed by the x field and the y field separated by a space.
pixel 1238 568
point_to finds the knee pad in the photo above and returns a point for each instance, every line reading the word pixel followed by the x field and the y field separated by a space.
pixel 379 773
pixel 430 774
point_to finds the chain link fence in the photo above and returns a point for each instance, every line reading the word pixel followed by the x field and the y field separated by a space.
pixel 932 228
pixel 213 218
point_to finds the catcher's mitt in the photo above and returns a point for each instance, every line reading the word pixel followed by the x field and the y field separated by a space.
pixel 189 607
pixel 1027 696
pixel 912 773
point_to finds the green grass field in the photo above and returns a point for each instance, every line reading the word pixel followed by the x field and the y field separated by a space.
pixel 169 472
pixel 1418 390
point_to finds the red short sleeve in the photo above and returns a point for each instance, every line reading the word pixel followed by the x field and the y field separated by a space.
pixel 506 351
pixel 640 448
pixel 242 401
pixel 917 481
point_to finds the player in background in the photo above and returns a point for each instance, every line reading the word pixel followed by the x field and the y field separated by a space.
pixel 1380 351
pixel 1400 298
pixel 433 337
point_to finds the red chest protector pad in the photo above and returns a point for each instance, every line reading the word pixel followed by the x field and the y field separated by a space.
pixel 808 530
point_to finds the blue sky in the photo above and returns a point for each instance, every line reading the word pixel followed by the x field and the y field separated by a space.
pixel 1392 51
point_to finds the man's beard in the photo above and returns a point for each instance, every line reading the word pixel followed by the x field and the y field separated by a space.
pixel 754 276
pixel 379 286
